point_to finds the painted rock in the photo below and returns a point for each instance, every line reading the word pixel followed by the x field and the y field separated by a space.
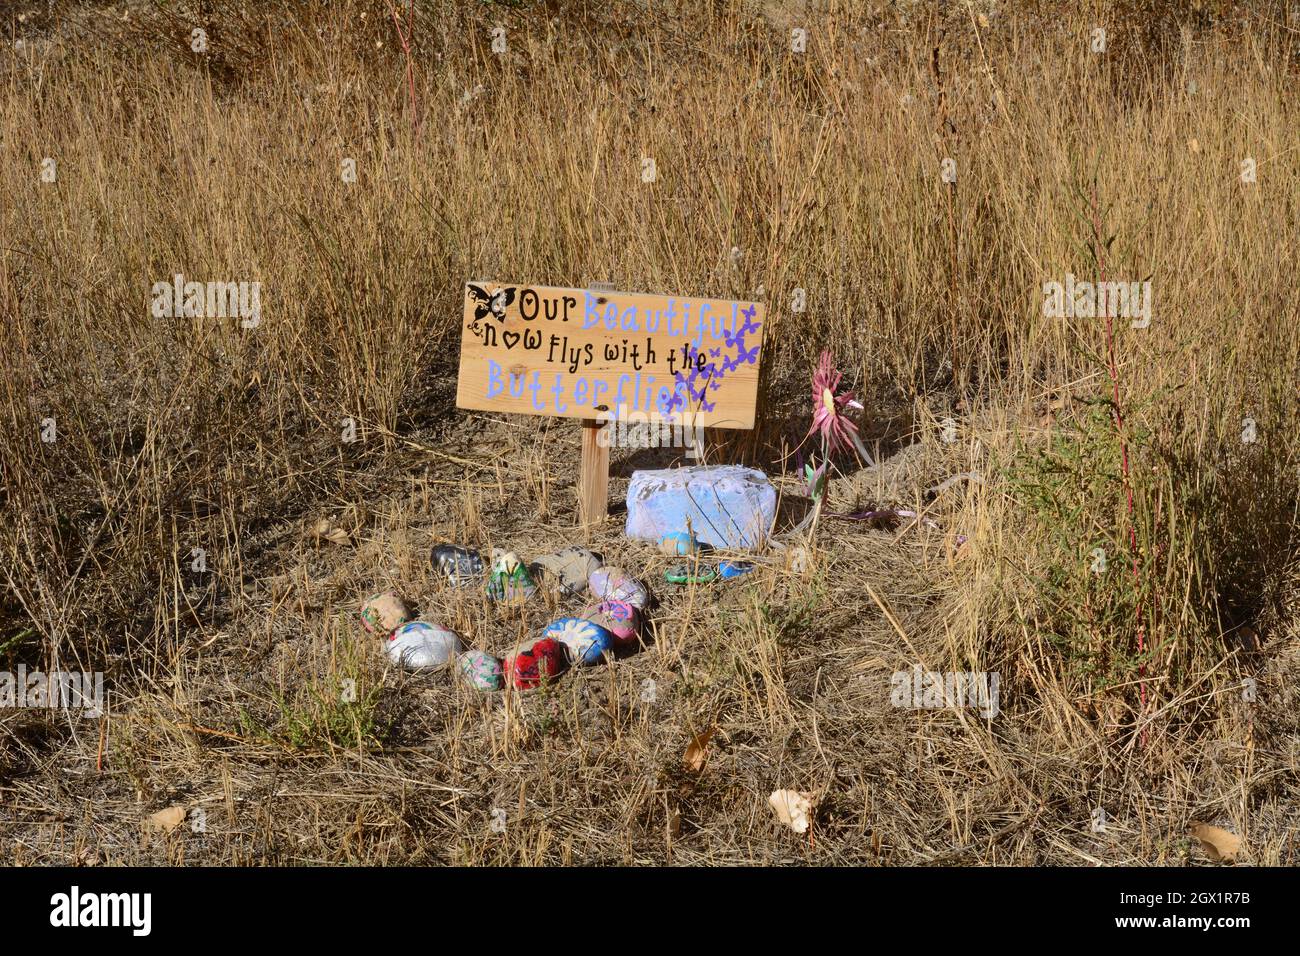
pixel 691 574
pixel 461 566
pixel 734 569
pixel 510 579
pixel 569 567
pixel 480 670
pixel 384 612
pixel 724 505
pixel 420 644
pixel 542 660
pixel 611 584
pixel 586 641
pixel 617 617
pixel 679 544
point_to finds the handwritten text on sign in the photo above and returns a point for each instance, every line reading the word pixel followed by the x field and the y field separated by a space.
pixel 576 353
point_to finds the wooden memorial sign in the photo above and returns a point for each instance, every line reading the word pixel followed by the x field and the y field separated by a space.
pixel 604 356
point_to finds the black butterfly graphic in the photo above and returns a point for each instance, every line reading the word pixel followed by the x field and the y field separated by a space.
pixel 494 304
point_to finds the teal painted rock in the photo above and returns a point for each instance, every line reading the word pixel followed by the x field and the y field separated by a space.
pixel 679 544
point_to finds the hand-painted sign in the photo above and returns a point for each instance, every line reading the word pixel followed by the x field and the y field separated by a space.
pixel 578 353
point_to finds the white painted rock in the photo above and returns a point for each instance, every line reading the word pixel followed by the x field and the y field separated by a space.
pixel 420 644
pixel 727 506
pixel 611 584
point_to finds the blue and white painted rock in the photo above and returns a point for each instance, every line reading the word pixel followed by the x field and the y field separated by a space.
pixel 586 641
pixel 540 661
pixel 617 617
pixel 611 584
pixel 384 613
pixel 679 544
pixel 480 670
pixel 461 566
pixel 420 644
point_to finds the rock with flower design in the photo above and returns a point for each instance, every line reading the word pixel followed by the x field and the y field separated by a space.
pixel 510 579
pixel 586 641
pixel 611 584
pixel 481 670
pixel 618 617
pixel 421 644
pixel 384 613
pixel 540 661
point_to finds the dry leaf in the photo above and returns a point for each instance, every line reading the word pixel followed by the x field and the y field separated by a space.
pixel 793 808
pixel 327 530
pixel 697 752
pixel 165 821
pixel 1219 844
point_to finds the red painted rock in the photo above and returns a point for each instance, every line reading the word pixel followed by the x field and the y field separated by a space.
pixel 542 660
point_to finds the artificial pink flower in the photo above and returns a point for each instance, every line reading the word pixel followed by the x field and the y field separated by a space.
pixel 828 416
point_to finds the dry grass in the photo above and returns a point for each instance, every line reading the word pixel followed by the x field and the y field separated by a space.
pixel 175 434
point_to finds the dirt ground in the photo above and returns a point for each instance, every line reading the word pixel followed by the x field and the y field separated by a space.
pixel 788 672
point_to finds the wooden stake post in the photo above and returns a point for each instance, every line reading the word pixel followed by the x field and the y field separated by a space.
pixel 593 470
pixel 593 474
